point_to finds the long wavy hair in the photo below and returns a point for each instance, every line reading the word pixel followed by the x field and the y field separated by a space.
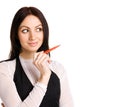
pixel 20 15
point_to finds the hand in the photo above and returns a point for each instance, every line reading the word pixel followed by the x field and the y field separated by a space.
pixel 41 61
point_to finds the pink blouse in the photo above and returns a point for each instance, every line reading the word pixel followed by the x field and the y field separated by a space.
pixel 9 94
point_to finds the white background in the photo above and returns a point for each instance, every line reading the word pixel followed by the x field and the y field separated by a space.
pixel 89 34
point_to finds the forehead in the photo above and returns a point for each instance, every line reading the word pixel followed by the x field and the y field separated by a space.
pixel 31 20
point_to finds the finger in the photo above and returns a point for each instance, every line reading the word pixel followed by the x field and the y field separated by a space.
pixel 35 57
pixel 43 59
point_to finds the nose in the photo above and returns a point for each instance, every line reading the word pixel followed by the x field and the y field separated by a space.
pixel 32 36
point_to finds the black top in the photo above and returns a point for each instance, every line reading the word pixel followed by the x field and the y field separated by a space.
pixel 24 87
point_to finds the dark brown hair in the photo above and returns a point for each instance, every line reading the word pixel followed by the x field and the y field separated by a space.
pixel 17 20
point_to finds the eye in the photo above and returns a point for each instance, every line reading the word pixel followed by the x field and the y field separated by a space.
pixel 25 30
pixel 39 29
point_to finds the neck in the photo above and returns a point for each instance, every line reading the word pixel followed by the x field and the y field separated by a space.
pixel 27 55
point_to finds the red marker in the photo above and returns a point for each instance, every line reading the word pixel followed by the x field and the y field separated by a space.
pixel 47 51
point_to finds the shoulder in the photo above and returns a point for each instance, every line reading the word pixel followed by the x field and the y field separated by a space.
pixel 57 68
pixel 7 67
pixel 6 63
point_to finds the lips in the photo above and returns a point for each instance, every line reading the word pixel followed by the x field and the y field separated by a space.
pixel 33 44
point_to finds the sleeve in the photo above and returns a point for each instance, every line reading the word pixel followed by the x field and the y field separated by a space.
pixel 9 95
pixel 66 96
pixel 66 99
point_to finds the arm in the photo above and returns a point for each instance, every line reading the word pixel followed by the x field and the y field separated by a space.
pixel 9 95
pixel 66 97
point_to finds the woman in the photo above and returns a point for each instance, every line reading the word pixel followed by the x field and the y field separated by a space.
pixel 29 78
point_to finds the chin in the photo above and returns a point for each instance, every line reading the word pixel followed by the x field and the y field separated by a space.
pixel 33 50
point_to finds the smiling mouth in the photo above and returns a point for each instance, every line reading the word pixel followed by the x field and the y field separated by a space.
pixel 33 44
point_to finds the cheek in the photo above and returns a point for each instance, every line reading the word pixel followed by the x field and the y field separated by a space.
pixel 41 37
pixel 22 38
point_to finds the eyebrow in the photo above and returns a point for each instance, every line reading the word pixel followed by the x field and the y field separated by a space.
pixel 28 27
pixel 38 25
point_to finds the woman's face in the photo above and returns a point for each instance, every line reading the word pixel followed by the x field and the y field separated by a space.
pixel 30 34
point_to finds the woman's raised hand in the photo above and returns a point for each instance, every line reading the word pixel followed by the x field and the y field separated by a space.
pixel 41 60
